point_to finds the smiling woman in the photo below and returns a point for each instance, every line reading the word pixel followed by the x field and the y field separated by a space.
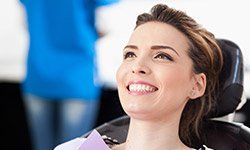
pixel 166 81
pixel 160 81
pixel 174 65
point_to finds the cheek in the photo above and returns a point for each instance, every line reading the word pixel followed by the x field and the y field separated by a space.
pixel 174 93
pixel 120 74
pixel 176 83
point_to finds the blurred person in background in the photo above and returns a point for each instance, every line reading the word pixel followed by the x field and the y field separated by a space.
pixel 61 91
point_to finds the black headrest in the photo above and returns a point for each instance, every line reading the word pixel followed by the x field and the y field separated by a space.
pixel 230 79
pixel 227 135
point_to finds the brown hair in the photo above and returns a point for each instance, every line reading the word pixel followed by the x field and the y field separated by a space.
pixel 207 58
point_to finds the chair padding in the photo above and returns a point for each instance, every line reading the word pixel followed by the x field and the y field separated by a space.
pixel 230 79
pixel 222 135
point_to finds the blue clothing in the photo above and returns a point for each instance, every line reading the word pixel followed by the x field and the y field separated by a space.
pixel 61 91
pixel 73 119
pixel 61 57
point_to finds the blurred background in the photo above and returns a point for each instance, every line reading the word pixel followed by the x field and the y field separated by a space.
pixel 226 19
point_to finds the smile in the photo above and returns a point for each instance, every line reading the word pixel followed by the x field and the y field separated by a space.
pixel 141 88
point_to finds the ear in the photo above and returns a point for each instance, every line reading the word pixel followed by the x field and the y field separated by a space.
pixel 199 86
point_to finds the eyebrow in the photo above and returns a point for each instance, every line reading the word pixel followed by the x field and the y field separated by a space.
pixel 131 47
pixel 154 47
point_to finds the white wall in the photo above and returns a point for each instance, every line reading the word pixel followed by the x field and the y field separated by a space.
pixel 13 41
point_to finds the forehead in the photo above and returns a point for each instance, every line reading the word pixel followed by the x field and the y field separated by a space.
pixel 152 33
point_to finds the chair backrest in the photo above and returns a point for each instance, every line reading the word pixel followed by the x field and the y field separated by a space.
pixel 223 135
pixel 228 135
pixel 230 80
pixel 220 135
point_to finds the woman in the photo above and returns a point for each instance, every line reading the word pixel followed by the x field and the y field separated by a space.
pixel 167 80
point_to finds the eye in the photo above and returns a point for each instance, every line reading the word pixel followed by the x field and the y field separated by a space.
pixel 129 55
pixel 163 56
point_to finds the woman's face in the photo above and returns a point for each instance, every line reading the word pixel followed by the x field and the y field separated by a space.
pixel 155 78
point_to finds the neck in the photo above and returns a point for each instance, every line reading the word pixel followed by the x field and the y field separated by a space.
pixel 154 135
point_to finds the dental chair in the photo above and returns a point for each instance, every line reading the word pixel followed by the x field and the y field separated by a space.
pixel 220 134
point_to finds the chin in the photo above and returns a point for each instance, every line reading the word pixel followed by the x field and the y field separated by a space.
pixel 140 114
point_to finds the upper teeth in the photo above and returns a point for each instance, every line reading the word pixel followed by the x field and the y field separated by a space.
pixel 141 88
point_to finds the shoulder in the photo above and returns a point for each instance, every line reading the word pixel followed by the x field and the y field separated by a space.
pixel 71 145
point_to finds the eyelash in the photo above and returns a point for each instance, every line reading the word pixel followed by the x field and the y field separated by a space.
pixel 164 56
pixel 129 55
pixel 160 55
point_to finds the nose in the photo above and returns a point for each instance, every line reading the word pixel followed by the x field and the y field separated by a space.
pixel 140 67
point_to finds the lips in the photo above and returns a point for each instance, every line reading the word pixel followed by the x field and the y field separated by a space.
pixel 141 87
